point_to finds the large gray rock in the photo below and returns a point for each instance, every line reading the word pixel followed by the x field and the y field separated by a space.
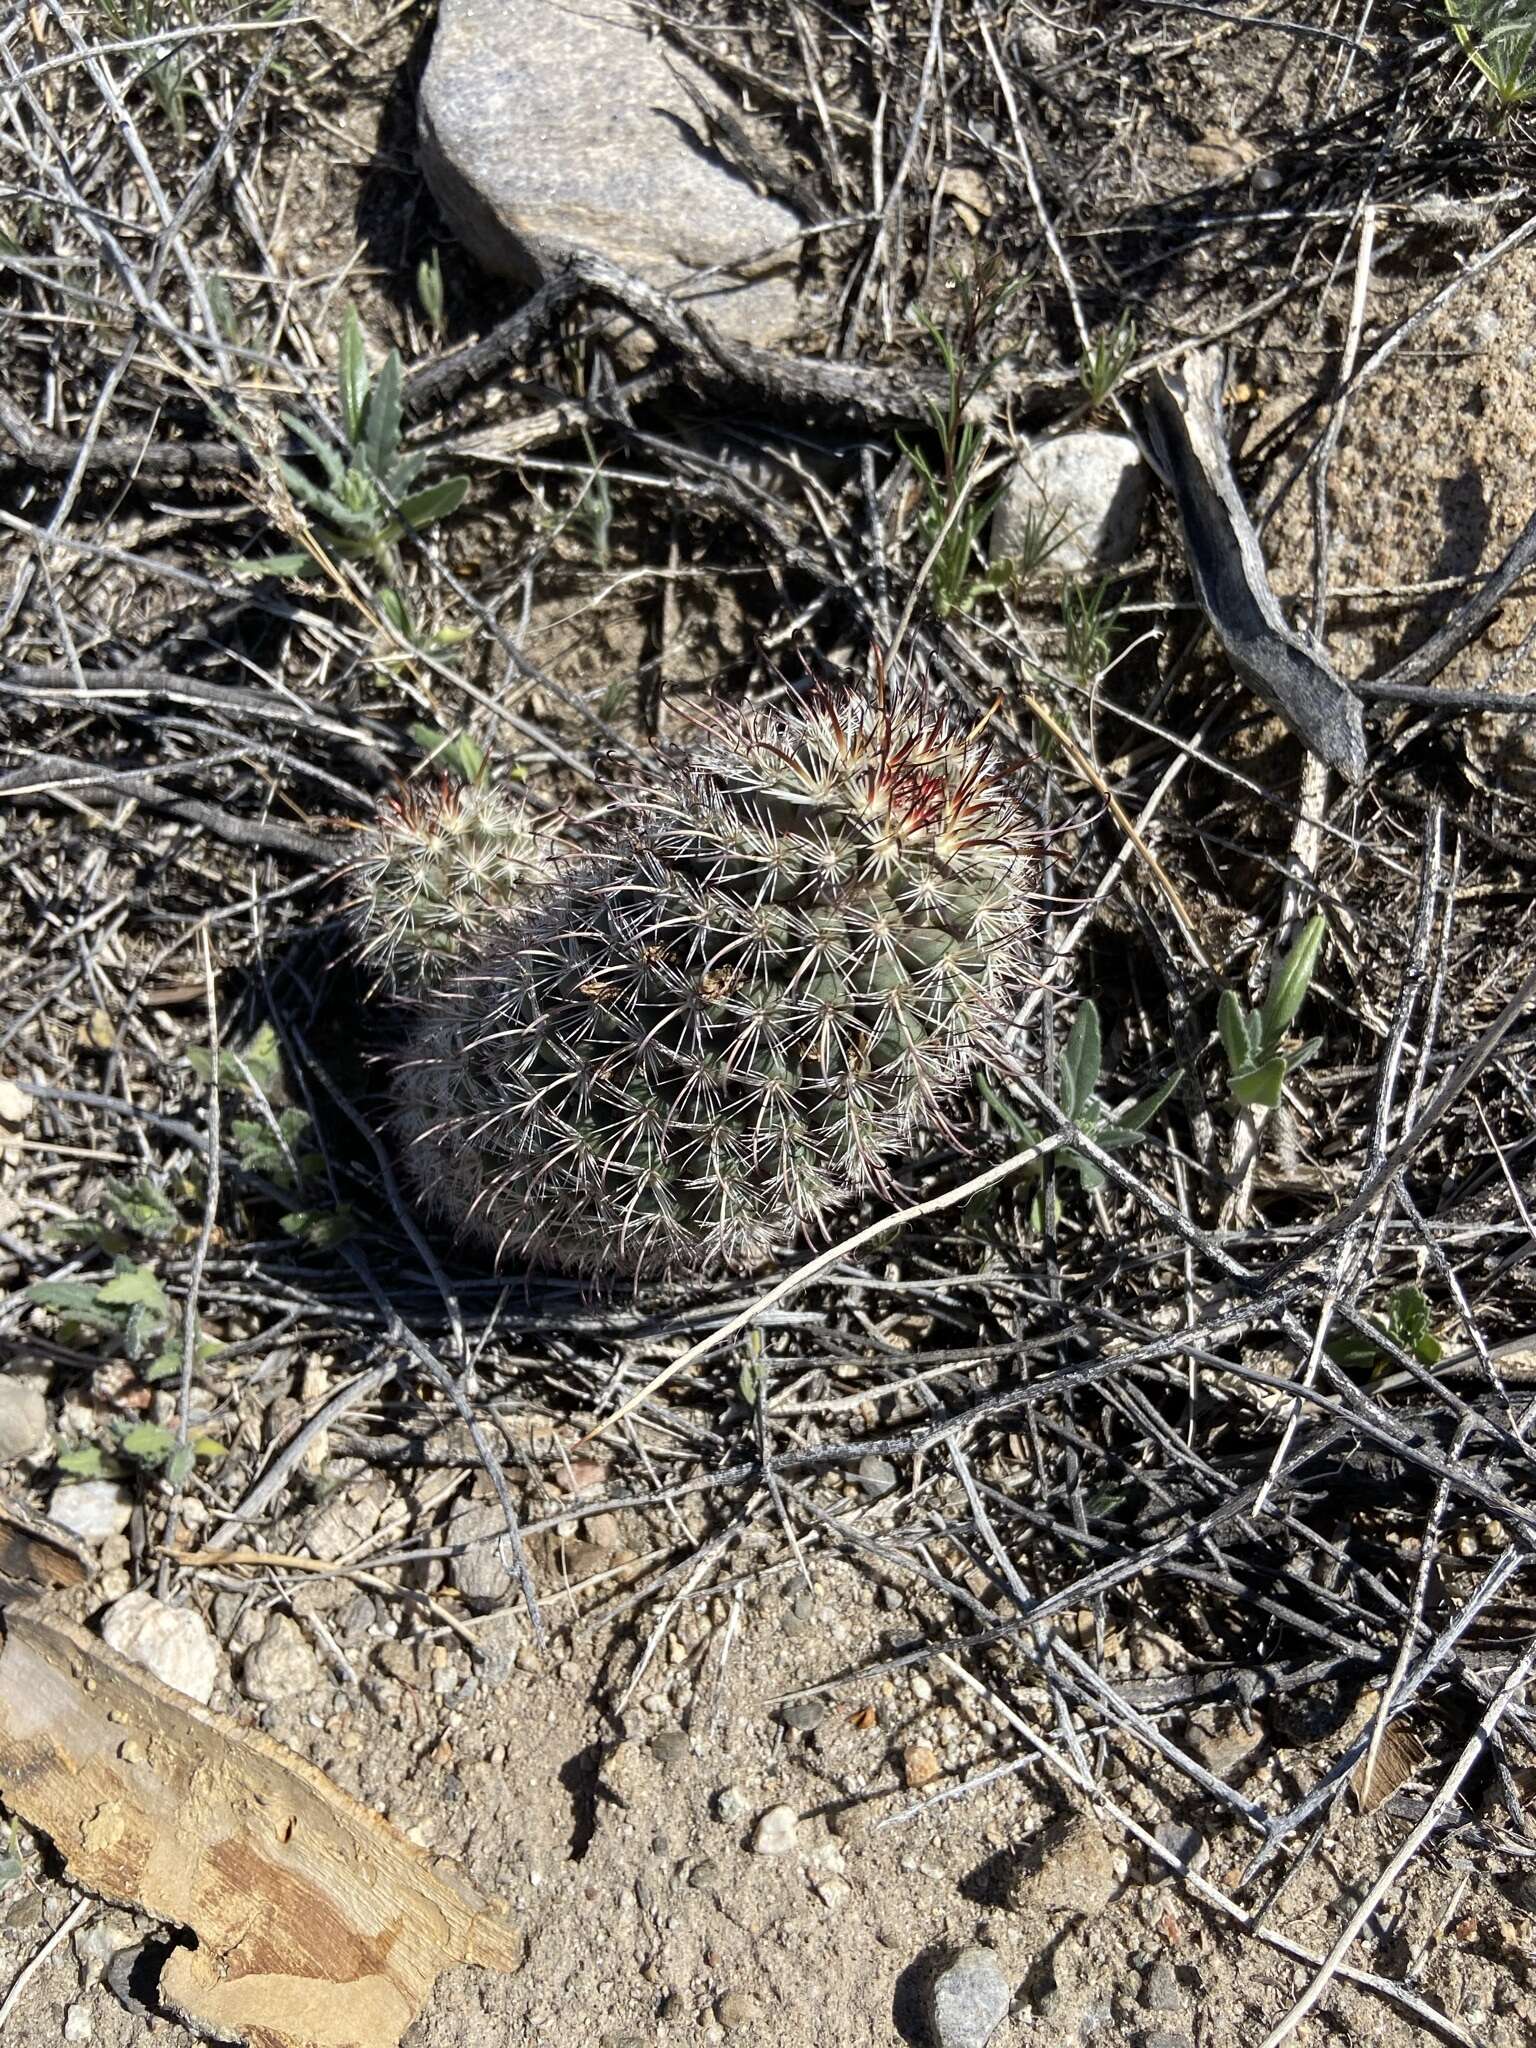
pixel 553 125
pixel 1092 485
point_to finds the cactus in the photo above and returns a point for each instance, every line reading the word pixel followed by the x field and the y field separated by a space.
pixel 444 869
pixel 677 1050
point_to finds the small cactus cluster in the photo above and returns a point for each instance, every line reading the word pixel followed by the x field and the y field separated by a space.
pixel 675 1050
pixel 446 868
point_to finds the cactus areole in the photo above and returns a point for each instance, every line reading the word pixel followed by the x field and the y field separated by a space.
pixel 672 1053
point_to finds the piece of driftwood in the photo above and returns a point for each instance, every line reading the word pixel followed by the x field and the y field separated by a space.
pixel 317 1925
pixel 1189 444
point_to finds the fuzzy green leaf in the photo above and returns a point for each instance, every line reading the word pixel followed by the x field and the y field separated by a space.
pixel 132 1286
pixel 353 376
pixel 275 565
pixel 1232 1025
pixel 142 1208
pixel 73 1298
pixel 148 1443
pixel 435 502
pixel 1080 1061
pixel 1293 977
pixel 1260 1087
pixel 1137 1118
pixel 383 435
pixel 86 1461
pixel 457 753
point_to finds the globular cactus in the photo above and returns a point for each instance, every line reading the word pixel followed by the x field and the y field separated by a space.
pixel 444 870
pixel 675 1051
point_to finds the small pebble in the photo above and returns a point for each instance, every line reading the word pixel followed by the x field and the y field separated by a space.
pixel 731 1805
pixel 281 1665
pixel 877 1477
pixel 171 1642
pixel 1186 1844
pixel 919 1766
pixel 1160 1990
pixel 736 2009
pixel 704 1877
pixel 776 1832
pixel 78 2023
pixel 669 1746
pixel 92 1509
pixel 1161 2037
pixel 23 1419
pixel 803 1715
pixel 968 2000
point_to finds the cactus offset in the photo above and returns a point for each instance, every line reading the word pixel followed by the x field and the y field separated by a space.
pixel 678 1051
pixel 444 869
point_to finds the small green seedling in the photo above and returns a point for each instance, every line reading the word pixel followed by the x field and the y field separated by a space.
pixel 1089 621
pixel 1077 1080
pixel 372 494
pixel 276 1142
pixel 417 635
pixel 1108 358
pixel 429 293
pixel 458 755
pixel 955 510
pixel 1258 1058
pixel 1407 1328
pixel 1499 38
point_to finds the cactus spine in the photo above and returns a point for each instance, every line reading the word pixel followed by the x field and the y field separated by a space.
pixel 678 1050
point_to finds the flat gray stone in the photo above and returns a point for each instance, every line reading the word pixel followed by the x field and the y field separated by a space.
pixel 969 2000
pixel 548 126
pixel 478 1573
pixel 1094 485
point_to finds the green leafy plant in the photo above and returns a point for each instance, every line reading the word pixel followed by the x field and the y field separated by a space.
pixel 953 510
pixel 455 754
pixel 372 493
pixel 419 637
pixel 1499 38
pixel 1407 1327
pixel 277 1142
pixel 676 1049
pixel 1107 359
pixel 178 68
pixel 1254 1041
pixel 1077 1080
pixel 148 1445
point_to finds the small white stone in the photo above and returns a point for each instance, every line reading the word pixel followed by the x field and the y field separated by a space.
pixel 172 1643
pixel 15 1107
pixel 92 1509
pixel 23 1419
pixel 776 1832
pixel 78 2023
pixel 281 1665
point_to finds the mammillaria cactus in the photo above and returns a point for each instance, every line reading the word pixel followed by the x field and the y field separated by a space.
pixel 678 1049
pixel 444 870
